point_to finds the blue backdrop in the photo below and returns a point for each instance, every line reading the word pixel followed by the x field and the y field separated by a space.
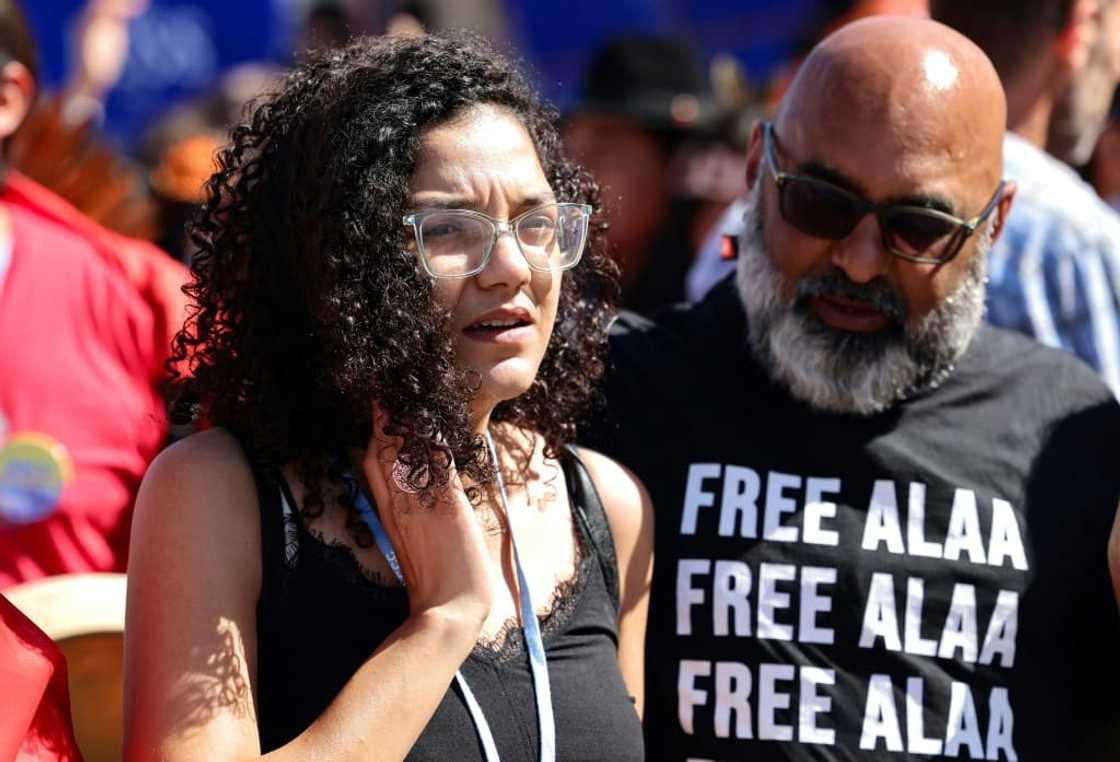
pixel 177 48
pixel 559 35
pixel 180 46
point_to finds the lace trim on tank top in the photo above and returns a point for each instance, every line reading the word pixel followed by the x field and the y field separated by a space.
pixel 505 645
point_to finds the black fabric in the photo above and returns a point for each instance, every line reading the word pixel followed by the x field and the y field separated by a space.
pixel 762 583
pixel 319 618
pixel 661 277
pixel 588 511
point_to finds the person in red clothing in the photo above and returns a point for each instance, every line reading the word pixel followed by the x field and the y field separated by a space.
pixel 85 321
pixel 35 724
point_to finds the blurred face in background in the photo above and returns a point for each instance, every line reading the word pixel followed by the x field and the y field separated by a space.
pixel 1079 116
pixel 632 166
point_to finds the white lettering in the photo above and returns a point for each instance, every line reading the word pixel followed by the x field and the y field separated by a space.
pixel 960 625
pixel 813 603
pixel 1005 540
pixel 915 525
pixel 777 504
pixel 741 487
pixel 733 692
pixel 880 620
pixel 963 727
pixel 964 529
pixel 1000 726
pixel 695 497
pixel 770 600
pixel 769 701
pixel 817 508
pixel 1002 630
pixel 688 695
pixel 917 743
pixel 812 703
pixel 880 716
pixel 882 519
pixel 687 595
pixel 732 586
pixel 915 643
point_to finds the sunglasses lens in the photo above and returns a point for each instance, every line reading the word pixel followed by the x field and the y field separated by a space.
pixel 819 209
pixel 914 234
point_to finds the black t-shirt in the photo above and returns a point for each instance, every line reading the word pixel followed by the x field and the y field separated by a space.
pixel 926 583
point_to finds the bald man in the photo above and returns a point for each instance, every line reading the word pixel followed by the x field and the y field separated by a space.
pixel 882 524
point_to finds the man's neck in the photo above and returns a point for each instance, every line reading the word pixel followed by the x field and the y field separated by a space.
pixel 1030 120
pixel 1031 99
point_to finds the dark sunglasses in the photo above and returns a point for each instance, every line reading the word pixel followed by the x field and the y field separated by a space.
pixel 822 209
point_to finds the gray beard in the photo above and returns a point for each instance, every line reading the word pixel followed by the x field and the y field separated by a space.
pixel 846 372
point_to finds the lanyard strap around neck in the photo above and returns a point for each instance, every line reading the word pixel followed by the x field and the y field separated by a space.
pixel 530 627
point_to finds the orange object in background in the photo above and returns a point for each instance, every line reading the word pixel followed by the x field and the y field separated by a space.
pixel 35 723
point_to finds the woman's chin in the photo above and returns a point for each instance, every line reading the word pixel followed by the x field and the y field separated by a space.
pixel 505 382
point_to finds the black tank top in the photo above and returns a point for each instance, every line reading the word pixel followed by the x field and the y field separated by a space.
pixel 319 618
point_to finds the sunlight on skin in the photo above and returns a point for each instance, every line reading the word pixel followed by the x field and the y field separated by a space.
pixel 941 73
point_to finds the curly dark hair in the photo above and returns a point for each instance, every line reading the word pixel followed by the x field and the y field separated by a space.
pixel 307 303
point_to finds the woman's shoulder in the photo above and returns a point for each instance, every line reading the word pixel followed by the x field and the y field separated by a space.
pixel 201 482
pixel 623 495
pixel 216 447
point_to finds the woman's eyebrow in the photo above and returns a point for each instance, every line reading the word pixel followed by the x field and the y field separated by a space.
pixel 443 201
pixel 535 199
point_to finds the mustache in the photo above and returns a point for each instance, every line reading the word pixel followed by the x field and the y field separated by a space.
pixel 877 294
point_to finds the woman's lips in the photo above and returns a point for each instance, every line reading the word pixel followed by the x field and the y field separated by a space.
pixel 512 334
pixel 849 315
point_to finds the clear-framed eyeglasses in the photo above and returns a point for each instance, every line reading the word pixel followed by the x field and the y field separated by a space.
pixel 457 243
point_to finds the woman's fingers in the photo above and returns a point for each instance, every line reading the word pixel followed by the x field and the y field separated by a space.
pixel 435 534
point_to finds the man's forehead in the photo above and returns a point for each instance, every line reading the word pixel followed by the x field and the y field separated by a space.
pixel 896 102
pixel 884 165
pixel 889 146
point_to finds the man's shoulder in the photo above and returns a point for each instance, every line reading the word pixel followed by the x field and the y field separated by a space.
pixel 1016 366
pixel 678 331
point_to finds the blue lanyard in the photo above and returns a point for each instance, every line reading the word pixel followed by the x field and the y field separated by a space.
pixel 530 627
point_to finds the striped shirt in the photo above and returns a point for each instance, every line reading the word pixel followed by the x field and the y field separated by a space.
pixel 1055 271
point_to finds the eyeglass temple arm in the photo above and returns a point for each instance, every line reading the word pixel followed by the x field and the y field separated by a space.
pixel 987 210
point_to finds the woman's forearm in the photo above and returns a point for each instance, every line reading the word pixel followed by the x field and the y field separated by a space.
pixel 385 706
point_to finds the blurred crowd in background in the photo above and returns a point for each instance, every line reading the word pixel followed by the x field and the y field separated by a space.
pixel 134 97
pixel 658 99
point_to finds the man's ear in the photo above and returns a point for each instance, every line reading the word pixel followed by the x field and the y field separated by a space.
pixel 1075 40
pixel 1003 208
pixel 754 155
pixel 17 94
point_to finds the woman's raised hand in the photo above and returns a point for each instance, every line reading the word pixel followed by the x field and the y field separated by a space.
pixel 437 538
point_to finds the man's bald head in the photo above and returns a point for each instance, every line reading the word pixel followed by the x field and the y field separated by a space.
pixel 909 84
pixel 876 196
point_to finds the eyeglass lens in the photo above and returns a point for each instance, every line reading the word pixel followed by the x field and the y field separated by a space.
pixel 821 210
pixel 456 243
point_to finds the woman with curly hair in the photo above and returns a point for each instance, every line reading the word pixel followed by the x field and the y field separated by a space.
pixel 386 547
